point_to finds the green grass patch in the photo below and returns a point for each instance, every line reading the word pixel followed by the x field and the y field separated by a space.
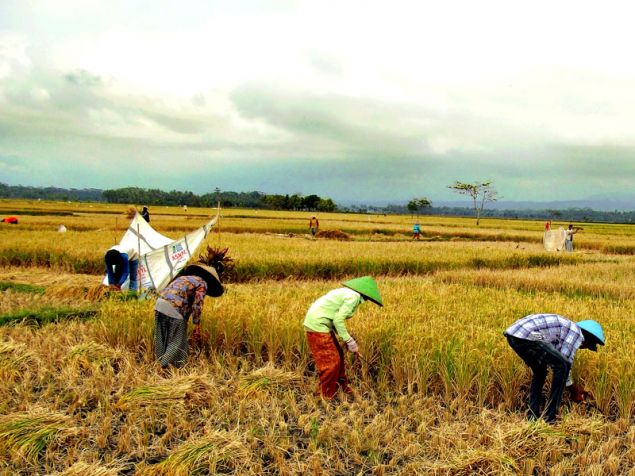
pixel 46 315
pixel 22 288
pixel 37 213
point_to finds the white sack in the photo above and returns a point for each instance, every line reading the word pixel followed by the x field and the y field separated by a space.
pixel 553 240
pixel 161 257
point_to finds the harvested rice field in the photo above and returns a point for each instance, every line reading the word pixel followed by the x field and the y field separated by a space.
pixel 438 390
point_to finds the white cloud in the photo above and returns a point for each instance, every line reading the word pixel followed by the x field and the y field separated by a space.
pixel 426 87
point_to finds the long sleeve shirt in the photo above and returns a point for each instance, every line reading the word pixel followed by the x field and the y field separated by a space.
pixel 331 311
pixel 126 256
pixel 559 331
pixel 563 334
pixel 185 294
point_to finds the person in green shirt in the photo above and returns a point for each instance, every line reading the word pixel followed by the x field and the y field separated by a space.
pixel 326 320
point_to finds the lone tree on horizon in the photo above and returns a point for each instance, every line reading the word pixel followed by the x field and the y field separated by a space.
pixel 481 192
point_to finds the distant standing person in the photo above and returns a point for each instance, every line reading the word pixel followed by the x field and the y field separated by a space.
pixel 416 231
pixel 314 225
pixel 145 214
pixel 568 241
pixel 121 264
pixel 548 225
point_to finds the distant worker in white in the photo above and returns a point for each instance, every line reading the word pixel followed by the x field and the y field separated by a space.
pixel 568 242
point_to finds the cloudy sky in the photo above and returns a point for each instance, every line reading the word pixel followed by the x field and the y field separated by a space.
pixel 353 100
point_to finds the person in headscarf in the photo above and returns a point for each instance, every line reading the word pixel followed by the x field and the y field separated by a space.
pixel 182 298
pixel 325 321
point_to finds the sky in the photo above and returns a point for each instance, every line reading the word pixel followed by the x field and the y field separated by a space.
pixel 353 100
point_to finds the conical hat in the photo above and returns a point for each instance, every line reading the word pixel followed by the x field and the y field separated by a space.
pixel 209 274
pixel 367 287
pixel 594 329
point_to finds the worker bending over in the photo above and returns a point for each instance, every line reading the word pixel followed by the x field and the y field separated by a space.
pixel 325 320
pixel 182 298
pixel 122 263
pixel 550 340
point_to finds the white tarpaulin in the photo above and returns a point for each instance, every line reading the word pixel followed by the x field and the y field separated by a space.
pixel 554 239
pixel 161 257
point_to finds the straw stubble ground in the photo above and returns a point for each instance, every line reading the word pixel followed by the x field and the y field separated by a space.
pixel 438 389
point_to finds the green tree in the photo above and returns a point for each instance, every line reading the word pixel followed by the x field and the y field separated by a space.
pixel 480 192
pixel 417 204
pixel 326 205
pixel 310 202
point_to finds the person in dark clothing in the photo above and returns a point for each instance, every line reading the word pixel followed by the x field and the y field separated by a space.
pixel 546 341
pixel 145 214
pixel 122 264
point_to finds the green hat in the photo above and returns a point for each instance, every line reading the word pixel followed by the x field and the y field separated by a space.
pixel 367 287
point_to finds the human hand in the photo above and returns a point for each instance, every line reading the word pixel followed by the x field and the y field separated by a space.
pixel 578 393
pixel 352 346
pixel 195 338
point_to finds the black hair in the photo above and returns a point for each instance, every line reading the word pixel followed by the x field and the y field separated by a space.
pixel 114 260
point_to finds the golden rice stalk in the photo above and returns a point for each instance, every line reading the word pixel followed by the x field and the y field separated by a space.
pixel 477 461
pixel 27 434
pixel 269 377
pixel 219 451
pixel 189 389
pixel 219 259
pixel 14 359
pixel 86 469
pixel 94 354
pixel 131 212
pixel 90 291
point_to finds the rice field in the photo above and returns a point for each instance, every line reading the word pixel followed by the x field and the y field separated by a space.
pixel 438 390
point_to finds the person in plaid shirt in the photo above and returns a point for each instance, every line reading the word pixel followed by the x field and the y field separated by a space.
pixel 182 298
pixel 551 340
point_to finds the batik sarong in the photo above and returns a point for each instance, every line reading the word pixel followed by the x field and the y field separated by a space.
pixel 329 359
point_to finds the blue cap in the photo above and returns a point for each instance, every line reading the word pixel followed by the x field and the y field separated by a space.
pixel 593 328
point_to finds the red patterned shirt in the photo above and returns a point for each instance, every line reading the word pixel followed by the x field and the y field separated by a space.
pixel 186 295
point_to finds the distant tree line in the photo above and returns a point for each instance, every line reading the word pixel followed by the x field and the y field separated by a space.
pixel 177 198
pixel 134 195
pixel 51 193
pixel 226 199
pixel 298 202
pixel 142 196
pixel 561 215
